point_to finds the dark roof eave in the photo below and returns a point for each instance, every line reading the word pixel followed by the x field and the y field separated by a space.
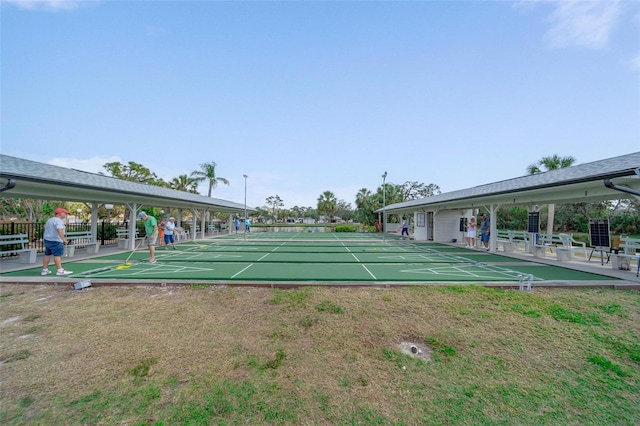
pixel 68 184
pixel 621 173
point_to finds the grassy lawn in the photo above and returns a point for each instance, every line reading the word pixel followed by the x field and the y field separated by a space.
pixel 204 355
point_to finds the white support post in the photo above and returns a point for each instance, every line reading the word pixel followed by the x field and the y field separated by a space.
pixel 94 221
pixel 133 216
pixel 493 228
pixel 203 223
pixel 525 282
pixel 194 223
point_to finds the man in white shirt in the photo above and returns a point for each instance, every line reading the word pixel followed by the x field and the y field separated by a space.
pixel 54 240
pixel 169 229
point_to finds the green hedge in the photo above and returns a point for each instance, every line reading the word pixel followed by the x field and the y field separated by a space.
pixel 347 228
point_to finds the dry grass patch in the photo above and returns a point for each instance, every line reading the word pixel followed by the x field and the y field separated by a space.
pixel 206 355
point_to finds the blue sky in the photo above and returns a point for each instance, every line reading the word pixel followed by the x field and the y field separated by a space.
pixel 306 97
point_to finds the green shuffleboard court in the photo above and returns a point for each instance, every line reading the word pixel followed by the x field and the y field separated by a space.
pixel 314 257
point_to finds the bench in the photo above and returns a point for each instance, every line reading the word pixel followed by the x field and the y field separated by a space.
pixel 78 239
pixel 511 240
pixel 564 245
pixel 503 238
pixel 123 238
pixel 629 247
pixel 572 245
pixel 180 234
pixel 212 229
pixel 26 255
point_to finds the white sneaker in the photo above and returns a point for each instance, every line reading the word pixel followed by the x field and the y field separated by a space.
pixel 63 272
pixel 45 272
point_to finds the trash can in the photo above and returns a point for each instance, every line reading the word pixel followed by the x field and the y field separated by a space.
pixel 620 262
pixel 563 254
pixel 508 246
pixel 539 251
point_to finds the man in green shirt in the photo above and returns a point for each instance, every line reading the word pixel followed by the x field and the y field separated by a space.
pixel 151 230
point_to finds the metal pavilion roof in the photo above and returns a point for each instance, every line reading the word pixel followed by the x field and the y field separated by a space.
pixel 580 183
pixel 47 182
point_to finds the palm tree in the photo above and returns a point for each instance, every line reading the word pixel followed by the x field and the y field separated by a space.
pixel 327 204
pixel 365 207
pixel 184 183
pixel 553 162
pixel 208 172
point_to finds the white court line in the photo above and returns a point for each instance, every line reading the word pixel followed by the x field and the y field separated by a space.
pixel 367 269
pixel 276 248
pixel 509 273
pixel 355 257
pixel 143 271
pixel 455 272
pixel 349 251
pixel 496 272
pixel 239 272
pixel 170 270
pixel 457 268
pixel 267 254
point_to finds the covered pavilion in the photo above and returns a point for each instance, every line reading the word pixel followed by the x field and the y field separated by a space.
pixel 437 218
pixel 31 179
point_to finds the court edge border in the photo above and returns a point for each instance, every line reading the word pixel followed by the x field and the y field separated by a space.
pixel 615 284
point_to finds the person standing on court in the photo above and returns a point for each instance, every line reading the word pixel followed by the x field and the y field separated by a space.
pixel 237 224
pixel 54 240
pixel 247 225
pixel 471 233
pixel 161 225
pixel 169 228
pixel 151 230
pixel 405 227
pixel 485 230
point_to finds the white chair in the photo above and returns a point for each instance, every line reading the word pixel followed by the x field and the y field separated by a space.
pixel 573 245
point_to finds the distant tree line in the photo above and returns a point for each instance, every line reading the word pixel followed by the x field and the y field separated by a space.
pixel 624 214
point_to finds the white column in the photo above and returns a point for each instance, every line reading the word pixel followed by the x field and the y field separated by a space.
pixel 94 221
pixel 203 224
pixel 493 227
pixel 194 223
pixel 133 215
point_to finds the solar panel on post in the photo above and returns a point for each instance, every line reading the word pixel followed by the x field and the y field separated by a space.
pixel 533 224
pixel 599 234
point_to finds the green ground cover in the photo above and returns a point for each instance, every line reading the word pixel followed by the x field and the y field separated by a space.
pixel 209 355
pixel 327 259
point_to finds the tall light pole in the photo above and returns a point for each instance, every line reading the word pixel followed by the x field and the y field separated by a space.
pixel 245 206
pixel 384 206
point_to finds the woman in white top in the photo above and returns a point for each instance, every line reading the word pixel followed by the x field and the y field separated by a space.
pixel 471 233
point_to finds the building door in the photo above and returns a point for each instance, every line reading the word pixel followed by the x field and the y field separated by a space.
pixel 430 226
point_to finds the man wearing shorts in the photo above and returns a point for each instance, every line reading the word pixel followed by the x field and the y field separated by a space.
pixel 169 228
pixel 151 230
pixel 485 231
pixel 54 241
